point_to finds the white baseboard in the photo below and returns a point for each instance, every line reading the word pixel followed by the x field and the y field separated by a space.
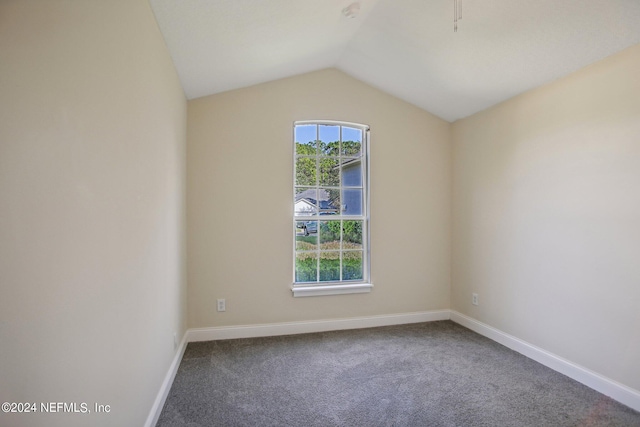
pixel 290 328
pixel 273 329
pixel 604 385
pixel 158 404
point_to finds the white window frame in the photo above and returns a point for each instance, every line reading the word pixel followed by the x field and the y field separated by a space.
pixel 304 289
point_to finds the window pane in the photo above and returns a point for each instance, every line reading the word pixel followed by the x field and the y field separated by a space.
pixel 329 172
pixel 306 201
pixel 306 171
pixel 352 173
pixel 352 202
pixel 352 234
pixel 329 201
pixel 306 266
pixel 306 235
pixel 329 235
pixel 329 140
pixel 352 265
pixel 329 266
pixel 351 142
pixel 306 140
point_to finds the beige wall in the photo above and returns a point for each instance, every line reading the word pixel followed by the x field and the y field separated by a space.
pixel 92 218
pixel 546 202
pixel 240 203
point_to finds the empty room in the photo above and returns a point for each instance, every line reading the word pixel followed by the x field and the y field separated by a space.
pixel 319 213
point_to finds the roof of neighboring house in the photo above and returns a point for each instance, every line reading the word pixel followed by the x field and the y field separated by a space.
pixel 312 193
pixel 309 196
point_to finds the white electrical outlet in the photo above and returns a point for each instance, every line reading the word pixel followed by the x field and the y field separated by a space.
pixel 175 341
pixel 474 299
pixel 222 305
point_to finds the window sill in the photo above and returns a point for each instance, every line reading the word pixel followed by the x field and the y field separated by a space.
pixel 334 289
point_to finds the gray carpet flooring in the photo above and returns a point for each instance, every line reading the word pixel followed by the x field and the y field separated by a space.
pixel 425 374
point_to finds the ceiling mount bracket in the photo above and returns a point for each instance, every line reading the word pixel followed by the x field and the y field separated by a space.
pixel 457 14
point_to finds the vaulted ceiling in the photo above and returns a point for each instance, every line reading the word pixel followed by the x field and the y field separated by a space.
pixel 404 47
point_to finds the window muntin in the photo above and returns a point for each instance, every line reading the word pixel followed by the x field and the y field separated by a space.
pixel 330 199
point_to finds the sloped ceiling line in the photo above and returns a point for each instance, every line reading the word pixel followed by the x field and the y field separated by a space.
pixel 405 47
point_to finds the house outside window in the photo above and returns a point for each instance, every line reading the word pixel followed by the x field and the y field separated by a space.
pixel 331 203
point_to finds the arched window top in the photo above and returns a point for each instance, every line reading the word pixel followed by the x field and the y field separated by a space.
pixel 331 219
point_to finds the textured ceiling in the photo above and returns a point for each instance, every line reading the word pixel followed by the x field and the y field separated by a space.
pixel 404 47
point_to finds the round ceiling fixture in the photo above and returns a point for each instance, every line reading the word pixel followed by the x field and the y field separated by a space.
pixel 352 10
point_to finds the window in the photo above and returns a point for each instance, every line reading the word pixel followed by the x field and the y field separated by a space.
pixel 331 222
